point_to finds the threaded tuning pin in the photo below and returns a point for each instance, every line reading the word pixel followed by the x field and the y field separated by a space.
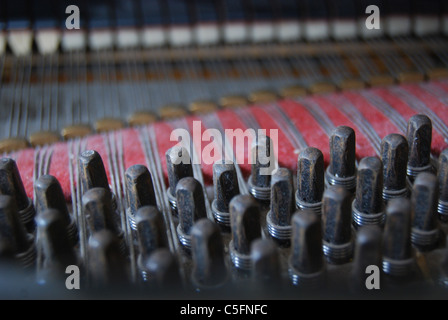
pixel 310 179
pixel 368 206
pixel 179 166
pixel 259 183
pixel 12 185
pixel 140 190
pixel 245 225
pixel 191 207
pixel 342 169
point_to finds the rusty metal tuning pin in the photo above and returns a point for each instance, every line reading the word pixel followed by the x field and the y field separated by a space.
pixel 368 205
pixel 92 171
pixel 14 234
pixel 207 248
pixel 342 168
pixel 419 137
pixel 306 262
pixel 190 207
pixel 49 194
pixel 442 176
pixel 338 239
pixel 245 225
pixel 266 268
pixel 398 256
pixel 179 166
pixel 162 270
pixel 151 232
pixel 57 247
pixel 100 215
pixel 98 210
pixel 278 219
pixel 140 191
pixel 263 163
pixel 11 184
pixel 367 253
pixel 394 155
pixel 425 193
pixel 225 183
pixel 107 265
pixel 310 179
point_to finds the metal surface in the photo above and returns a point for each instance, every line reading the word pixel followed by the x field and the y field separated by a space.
pixel 310 179
pixel 368 206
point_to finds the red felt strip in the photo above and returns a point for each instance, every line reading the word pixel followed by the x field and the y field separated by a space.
pixel 59 167
pixel 25 164
pixel 163 131
pixel 284 151
pixel 314 135
pixel 133 152
pixel 230 120
pixel 202 141
pixel 382 124
pixel 431 102
pixel 364 147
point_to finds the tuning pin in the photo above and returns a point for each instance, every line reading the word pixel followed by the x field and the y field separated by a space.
pixel 442 176
pixel 107 265
pixel 342 168
pixel 310 179
pixel 161 271
pixel 278 219
pixel 266 267
pixel 14 235
pixel 337 225
pixel 368 205
pixel 49 195
pixel 93 173
pixel 97 208
pixel 179 166
pixel 190 207
pixel 11 184
pixel 367 254
pixel 259 183
pixel 56 244
pixel 394 155
pixel 151 232
pixel 425 193
pixel 306 262
pixel 419 137
pixel 398 256
pixel 140 190
pixel 225 182
pixel 207 248
pixel 245 225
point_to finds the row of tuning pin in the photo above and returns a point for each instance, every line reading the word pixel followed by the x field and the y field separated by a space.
pixel 354 199
pixel 335 210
